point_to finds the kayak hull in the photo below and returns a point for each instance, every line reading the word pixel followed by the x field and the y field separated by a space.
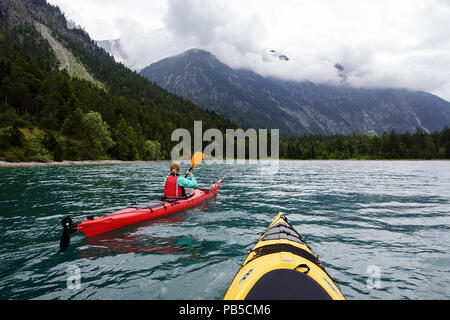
pixel 133 215
pixel 281 266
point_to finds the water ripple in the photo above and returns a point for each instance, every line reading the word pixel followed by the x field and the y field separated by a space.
pixel 354 214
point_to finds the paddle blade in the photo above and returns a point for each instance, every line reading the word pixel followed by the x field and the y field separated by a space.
pixel 196 159
pixel 68 227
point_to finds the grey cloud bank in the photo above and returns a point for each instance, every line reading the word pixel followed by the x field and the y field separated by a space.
pixel 378 44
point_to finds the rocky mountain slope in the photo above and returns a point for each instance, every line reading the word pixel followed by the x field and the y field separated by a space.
pixel 296 108
pixel 66 59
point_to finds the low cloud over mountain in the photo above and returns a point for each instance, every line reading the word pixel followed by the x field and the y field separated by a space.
pixel 296 108
pixel 381 44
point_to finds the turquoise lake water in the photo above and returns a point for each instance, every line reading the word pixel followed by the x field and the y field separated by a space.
pixel 358 216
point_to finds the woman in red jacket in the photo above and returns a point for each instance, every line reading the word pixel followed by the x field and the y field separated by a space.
pixel 176 184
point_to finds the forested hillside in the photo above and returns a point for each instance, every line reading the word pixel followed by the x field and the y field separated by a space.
pixel 419 145
pixel 46 114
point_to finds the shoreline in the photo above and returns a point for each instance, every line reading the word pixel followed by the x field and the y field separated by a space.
pixel 4 164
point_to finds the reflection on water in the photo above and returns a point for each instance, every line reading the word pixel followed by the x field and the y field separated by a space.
pixel 129 240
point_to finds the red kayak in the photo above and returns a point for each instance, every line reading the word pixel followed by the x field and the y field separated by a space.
pixel 141 212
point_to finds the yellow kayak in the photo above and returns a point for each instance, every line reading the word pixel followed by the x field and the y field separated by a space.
pixel 281 266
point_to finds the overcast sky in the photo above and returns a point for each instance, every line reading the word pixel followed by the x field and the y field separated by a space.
pixel 383 43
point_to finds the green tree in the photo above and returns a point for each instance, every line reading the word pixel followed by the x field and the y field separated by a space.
pixel 74 130
pixel 8 115
pixel 126 141
pixel 73 125
pixel 152 150
pixel 98 137
pixel 445 142
pixel 16 137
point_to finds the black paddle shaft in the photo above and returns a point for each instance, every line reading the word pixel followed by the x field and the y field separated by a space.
pixel 188 171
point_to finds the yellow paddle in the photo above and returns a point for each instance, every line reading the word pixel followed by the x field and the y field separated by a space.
pixel 196 160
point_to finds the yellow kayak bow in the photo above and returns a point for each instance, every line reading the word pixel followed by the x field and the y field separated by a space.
pixel 281 266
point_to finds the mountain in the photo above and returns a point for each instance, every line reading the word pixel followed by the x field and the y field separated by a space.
pixel 62 97
pixel 296 108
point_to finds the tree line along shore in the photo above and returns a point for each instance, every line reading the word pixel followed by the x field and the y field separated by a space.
pixel 389 146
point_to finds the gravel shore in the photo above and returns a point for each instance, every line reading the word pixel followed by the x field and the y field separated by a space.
pixel 64 163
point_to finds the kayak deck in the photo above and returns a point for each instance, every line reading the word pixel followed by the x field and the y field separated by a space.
pixel 281 266
pixel 145 211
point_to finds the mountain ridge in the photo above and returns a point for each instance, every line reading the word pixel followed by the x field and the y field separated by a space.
pixel 296 108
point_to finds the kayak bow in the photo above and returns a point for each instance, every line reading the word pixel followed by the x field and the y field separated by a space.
pixel 281 266
pixel 141 212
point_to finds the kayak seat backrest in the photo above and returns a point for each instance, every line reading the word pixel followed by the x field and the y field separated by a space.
pixel 206 189
pixel 149 204
pixel 189 192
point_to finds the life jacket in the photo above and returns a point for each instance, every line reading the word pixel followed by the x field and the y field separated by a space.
pixel 172 189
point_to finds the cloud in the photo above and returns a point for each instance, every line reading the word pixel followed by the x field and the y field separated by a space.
pixel 216 26
pixel 195 20
pixel 143 46
pixel 401 44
